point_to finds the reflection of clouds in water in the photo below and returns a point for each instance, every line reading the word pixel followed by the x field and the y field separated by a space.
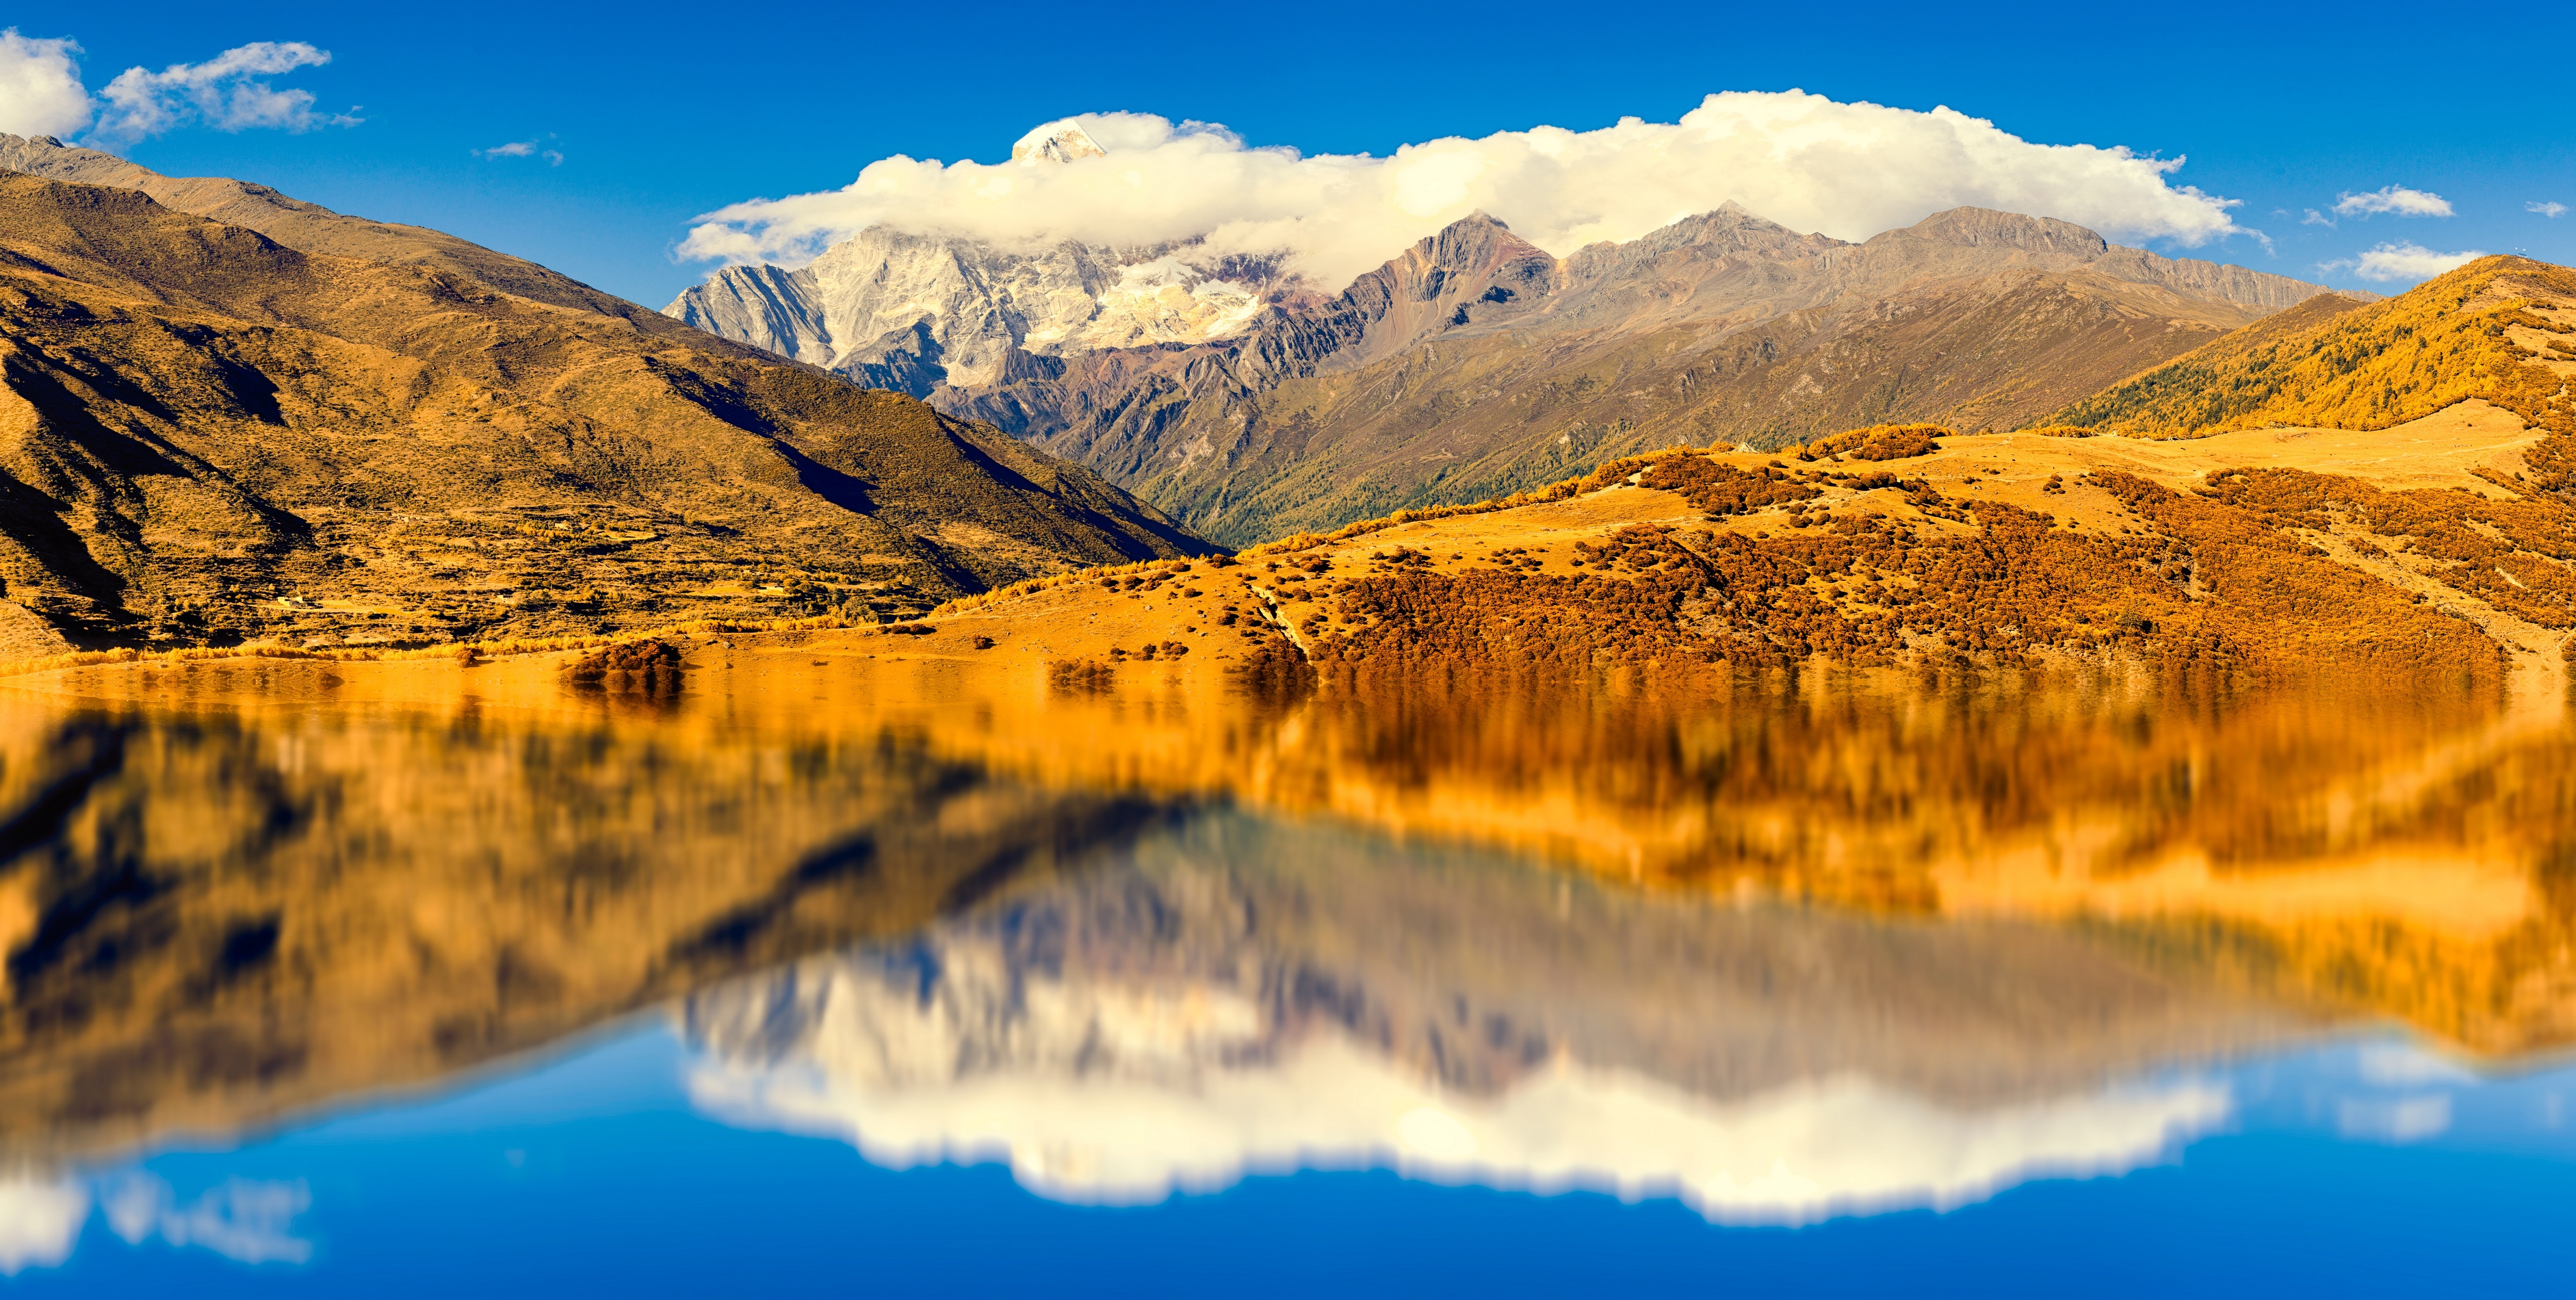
pixel 248 1221
pixel 2400 1065
pixel 2400 1119
pixel 2413 1116
pixel 38 1222
pixel 1129 1096
pixel 243 1220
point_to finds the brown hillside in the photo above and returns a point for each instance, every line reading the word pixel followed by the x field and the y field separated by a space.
pixel 312 228
pixel 208 436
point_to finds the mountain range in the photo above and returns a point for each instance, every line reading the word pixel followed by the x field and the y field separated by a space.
pixel 231 414
pixel 1248 402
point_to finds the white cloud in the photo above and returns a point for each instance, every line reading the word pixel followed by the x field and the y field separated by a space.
pixel 522 149
pixel 39 1222
pixel 1808 162
pixel 2395 199
pixel 2402 262
pixel 2316 218
pixel 40 86
pixel 2550 210
pixel 219 92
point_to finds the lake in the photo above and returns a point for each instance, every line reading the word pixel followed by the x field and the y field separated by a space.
pixel 845 975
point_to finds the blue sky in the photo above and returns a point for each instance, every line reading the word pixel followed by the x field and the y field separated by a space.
pixel 663 113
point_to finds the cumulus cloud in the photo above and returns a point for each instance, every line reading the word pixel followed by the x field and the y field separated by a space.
pixel 2395 199
pixel 2552 211
pixel 523 149
pixel 40 86
pixel 220 92
pixel 1808 162
pixel 2406 262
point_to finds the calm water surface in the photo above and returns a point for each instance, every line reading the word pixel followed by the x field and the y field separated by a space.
pixel 844 976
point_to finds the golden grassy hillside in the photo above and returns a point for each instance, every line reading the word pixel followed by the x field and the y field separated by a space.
pixel 2497 329
pixel 2007 550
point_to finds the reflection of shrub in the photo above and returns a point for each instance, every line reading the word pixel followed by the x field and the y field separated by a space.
pixel 1275 671
pixel 1079 676
pixel 650 667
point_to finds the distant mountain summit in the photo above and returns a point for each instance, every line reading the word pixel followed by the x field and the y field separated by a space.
pixel 919 312
pixel 1057 142
pixel 1249 402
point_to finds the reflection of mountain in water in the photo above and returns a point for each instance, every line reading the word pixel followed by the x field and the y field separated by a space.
pixel 1238 996
pixel 228 890
pixel 212 914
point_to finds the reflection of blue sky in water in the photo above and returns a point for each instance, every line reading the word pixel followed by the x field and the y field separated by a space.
pixel 600 1153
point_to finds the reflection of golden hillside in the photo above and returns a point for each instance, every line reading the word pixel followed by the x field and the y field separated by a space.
pixel 2395 852
pixel 246 884
pixel 213 910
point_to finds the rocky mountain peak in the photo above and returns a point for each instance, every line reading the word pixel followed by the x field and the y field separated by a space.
pixel 1057 142
pixel 1986 228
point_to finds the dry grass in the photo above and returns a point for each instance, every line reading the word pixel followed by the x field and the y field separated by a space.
pixel 2447 340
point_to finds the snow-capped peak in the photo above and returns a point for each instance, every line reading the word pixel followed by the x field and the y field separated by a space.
pixel 1059 141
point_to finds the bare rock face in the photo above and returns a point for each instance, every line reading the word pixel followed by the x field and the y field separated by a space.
pixel 922 312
